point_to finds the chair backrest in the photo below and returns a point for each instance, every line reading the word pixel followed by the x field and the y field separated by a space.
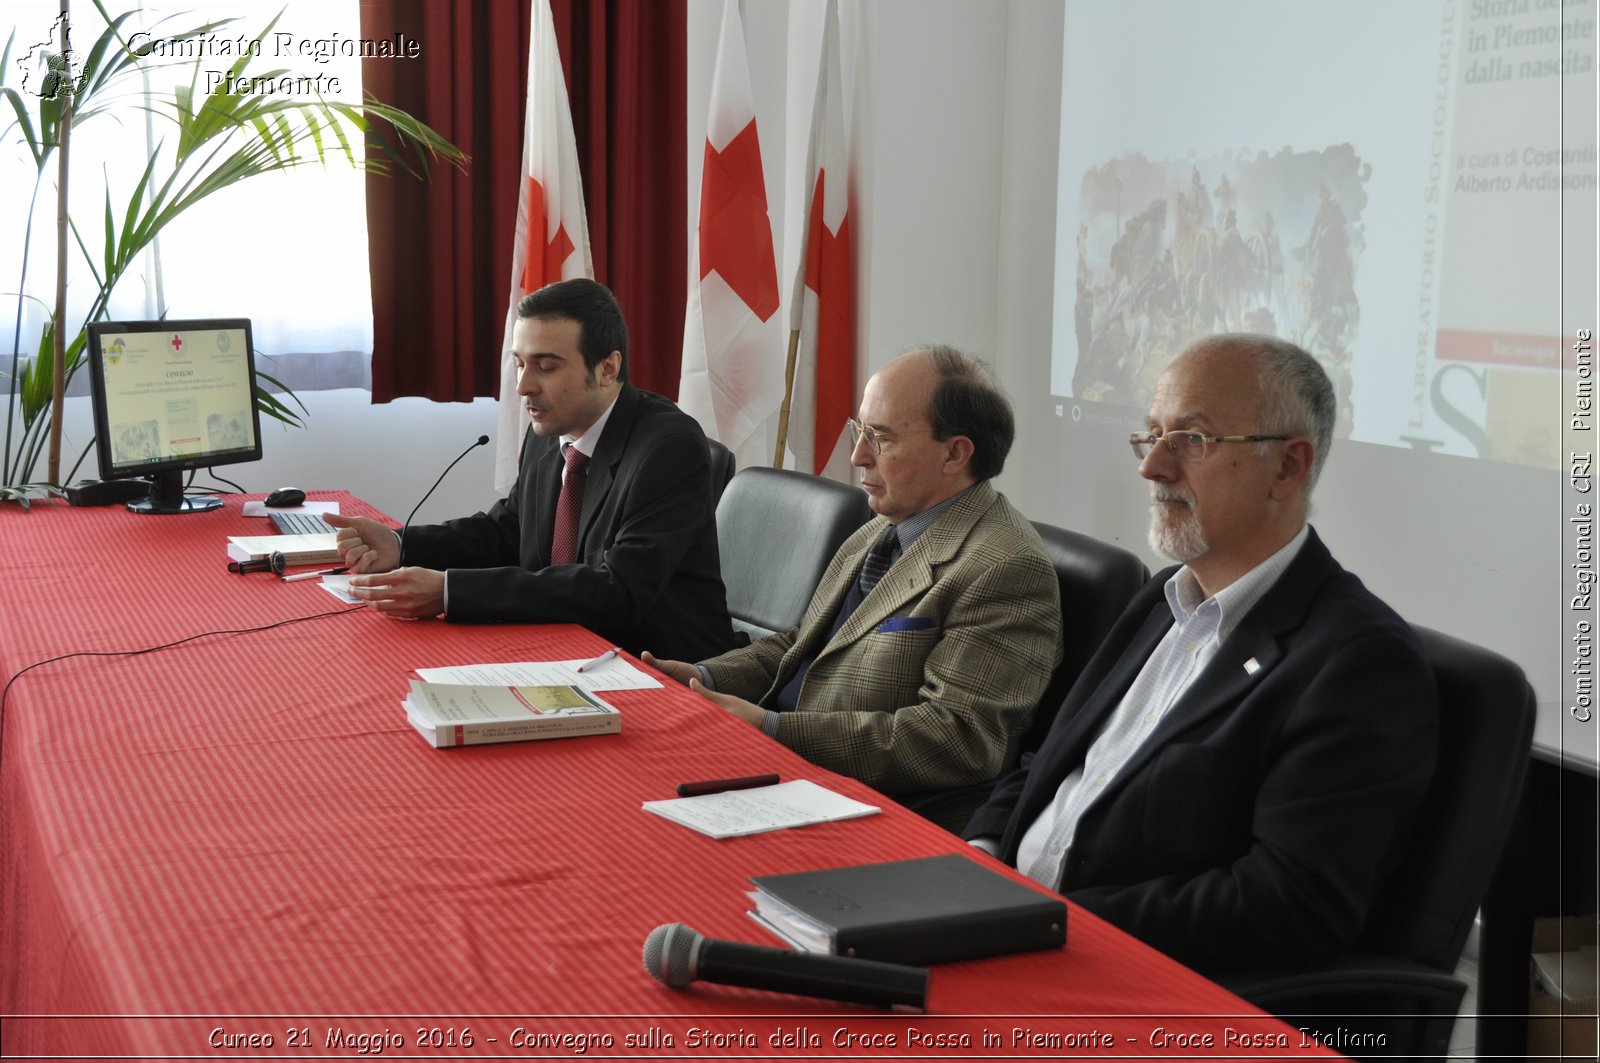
pixel 777 530
pixel 1097 581
pixel 1485 732
pixel 723 467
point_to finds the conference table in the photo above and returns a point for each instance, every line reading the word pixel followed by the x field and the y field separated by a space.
pixel 234 846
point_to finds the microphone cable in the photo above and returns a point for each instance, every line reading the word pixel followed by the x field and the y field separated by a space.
pixel 481 441
pixel 5 691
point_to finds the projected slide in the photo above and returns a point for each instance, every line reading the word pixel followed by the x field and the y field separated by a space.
pixel 1382 183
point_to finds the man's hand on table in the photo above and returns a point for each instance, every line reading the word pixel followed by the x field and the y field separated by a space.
pixel 689 675
pixel 405 593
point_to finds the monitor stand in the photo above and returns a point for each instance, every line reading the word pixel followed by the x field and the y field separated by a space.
pixel 166 496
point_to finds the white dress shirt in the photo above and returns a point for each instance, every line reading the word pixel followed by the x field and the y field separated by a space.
pixel 1200 626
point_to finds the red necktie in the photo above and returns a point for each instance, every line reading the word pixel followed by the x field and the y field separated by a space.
pixel 569 507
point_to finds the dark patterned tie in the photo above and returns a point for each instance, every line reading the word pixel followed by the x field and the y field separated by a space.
pixel 878 560
pixel 883 553
pixel 569 507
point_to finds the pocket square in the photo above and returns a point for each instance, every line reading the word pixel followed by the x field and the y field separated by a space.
pixel 905 623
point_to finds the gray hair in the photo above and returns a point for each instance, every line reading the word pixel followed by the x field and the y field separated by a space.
pixel 1295 395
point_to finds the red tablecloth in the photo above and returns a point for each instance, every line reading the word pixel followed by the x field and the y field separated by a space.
pixel 239 840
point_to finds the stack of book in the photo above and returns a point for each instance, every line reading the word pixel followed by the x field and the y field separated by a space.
pixel 447 714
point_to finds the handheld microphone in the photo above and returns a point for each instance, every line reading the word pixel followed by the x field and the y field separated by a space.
pixel 677 955
pixel 481 441
pixel 274 562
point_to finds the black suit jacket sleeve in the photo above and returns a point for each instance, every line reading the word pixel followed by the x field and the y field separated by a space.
pixel 1263 825
pixel 648 574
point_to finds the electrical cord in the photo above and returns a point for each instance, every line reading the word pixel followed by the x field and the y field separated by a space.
pixel 5 691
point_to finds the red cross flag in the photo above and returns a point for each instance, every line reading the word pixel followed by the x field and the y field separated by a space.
pixel 552 240
pixel 823 327
pixel 732 377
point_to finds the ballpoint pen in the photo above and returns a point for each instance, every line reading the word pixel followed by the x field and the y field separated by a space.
pixel 312 575
pixel 598 661
pixel 717 786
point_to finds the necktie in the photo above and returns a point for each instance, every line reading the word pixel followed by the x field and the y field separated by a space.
pixel 569 507
pixel 882 554
pixel 878 560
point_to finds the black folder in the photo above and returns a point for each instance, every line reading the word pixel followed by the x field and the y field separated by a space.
pixel 930 910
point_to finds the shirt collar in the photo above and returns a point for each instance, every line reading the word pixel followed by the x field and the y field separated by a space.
pixel 908 529
pixel 1185 598
pixel 590 439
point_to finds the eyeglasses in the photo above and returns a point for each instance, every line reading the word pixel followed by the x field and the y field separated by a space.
pixel 1188 446
pixel 875 439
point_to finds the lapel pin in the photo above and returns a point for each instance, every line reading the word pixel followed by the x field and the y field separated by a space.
pixel 1252 666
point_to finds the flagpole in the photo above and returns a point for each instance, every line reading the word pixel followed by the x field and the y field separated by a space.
pixel 788 390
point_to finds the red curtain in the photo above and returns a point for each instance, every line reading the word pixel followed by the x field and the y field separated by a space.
pixel 440 251
pixel 627 77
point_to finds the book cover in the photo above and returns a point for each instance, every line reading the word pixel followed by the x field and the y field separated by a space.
pixel 929 910
pixel 448 714
pixel 296 549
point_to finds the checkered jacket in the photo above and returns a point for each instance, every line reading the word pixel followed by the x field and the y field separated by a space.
pixel 935 675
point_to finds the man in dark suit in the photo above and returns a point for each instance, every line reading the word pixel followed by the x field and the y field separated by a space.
pixel 610 524
pixel 1235 773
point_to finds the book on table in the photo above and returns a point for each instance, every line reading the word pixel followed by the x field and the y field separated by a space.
pixel 448 714
pixel 296 549
pixel 932 909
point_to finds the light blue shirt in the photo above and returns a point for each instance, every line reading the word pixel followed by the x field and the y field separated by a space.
pixel 1200 626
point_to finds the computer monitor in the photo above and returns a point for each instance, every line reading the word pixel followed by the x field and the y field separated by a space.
pixel 170 397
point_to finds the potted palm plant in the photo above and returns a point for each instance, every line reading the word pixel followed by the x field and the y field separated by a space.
pixel 225 134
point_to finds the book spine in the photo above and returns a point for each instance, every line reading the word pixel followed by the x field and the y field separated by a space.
pixel 957 938
pixel 468 734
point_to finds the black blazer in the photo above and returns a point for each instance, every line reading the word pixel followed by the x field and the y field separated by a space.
pixel 649 576
pixel 1262 817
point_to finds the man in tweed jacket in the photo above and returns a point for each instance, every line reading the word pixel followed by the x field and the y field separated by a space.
pixel 936 671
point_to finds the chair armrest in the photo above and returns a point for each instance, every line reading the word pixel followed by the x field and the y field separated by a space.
pixel 1278 989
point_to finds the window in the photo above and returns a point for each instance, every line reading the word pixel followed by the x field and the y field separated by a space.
pixel 288 250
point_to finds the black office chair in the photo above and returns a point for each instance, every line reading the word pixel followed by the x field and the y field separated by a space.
pixel 1401 983
pixel 1096 580
pixel 723 466
pixel 777 530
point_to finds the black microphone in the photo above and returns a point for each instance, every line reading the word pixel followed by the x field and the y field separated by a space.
pixel 482 440
pixel 274 562
pixel 677 955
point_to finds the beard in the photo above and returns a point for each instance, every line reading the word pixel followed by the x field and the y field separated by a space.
pixel 1175 531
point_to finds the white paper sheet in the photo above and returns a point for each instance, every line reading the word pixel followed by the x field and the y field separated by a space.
pixel 259 508
pixel 615 674
pixel 736 813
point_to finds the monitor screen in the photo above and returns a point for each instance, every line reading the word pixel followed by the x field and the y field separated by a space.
pixel 171 397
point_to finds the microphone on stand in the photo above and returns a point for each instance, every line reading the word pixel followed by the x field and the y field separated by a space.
pixel 677 955
pixel 481 441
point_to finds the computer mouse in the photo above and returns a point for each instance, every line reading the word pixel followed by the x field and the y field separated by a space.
pixel 286 496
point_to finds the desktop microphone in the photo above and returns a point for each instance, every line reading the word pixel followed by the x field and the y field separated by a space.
pixel 677 955
pixel 481 441
pixel 274 562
